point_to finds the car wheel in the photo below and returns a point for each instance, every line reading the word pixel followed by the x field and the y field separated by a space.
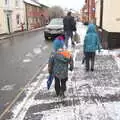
pixel 45 36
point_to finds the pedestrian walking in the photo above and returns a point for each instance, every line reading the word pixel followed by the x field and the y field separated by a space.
pixel 91 44
pixel 69 26
pixel 59 63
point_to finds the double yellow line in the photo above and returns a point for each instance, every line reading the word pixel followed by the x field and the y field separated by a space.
pixel 22 90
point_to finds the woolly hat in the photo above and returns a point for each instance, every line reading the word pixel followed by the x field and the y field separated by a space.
pixel 60 37
pixel 57 44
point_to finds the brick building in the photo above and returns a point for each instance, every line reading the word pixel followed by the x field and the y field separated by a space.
pixel 84 14
pixel 91 9
pixel 88 11
pixel 36 14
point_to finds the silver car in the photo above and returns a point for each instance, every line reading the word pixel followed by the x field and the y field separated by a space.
pixel 54 28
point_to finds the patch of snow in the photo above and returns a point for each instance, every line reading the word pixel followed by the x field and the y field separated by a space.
pixel 29 55
pixel 32 85
pixel 108 111
pixel 32 2
pixel 45 47
pixel 20 109
pixel 59 114
pixel 8 87
pixel 39 77
pixel 84 111
pixel 81 30
pixel 115 53
pixel 69 44
pixel 104 91
pixel 45 68
pixel 46 2
pixel 103 52
pixel 37 50
pixel 117 59
pixel 27 60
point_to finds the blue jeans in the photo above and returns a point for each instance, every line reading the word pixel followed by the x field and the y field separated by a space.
pixel 68 34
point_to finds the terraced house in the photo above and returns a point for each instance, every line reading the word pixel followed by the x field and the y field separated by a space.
pixel 88 11
pixel 36 14
pixel 12 14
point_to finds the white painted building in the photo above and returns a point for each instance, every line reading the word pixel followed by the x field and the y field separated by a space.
pixel 18 15
pixel 12 15
pixel 108 19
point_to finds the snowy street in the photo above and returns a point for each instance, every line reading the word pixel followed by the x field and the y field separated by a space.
pixel 89 96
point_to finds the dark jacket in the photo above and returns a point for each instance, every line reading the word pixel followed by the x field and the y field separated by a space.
pixel 59 62
pixel 91 41
pixel 69 23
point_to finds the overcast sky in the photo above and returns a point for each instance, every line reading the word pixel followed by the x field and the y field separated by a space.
pixel 74 4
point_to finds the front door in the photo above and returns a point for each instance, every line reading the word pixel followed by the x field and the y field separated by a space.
pixel 9 21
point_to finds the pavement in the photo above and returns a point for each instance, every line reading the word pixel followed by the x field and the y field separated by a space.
pixel 89 96
pixel 6 36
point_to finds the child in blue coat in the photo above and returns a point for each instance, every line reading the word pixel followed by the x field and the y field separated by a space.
pixel 91 44
pixel 60 62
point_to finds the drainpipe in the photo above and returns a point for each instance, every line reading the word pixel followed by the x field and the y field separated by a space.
pixel 88 11
pixel 26 15
pixel 101 14
pixel 8 23
pixel 101 24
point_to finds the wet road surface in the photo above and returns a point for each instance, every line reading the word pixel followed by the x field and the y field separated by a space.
pixel 20 57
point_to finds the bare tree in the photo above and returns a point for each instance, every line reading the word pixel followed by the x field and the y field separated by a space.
pixel 55 12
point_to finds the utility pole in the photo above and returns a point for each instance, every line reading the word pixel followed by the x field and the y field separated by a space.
pixel 88 10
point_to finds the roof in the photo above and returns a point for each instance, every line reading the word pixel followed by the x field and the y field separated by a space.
pixel 32 3
pixel 45 3
pixel 41 4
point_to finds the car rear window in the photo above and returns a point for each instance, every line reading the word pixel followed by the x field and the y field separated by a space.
pixel 56 21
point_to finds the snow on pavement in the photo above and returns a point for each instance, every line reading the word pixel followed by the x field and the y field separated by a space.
pixel 89 96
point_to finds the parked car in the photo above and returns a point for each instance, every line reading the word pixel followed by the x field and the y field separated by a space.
pixel 54 28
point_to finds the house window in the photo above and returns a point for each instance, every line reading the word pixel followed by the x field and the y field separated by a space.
pixel 17 3
pixel 6 2
pixel 18 19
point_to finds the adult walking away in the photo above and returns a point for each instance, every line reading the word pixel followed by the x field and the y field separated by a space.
pixel 59 63
pixel 69 26
pixel 91 44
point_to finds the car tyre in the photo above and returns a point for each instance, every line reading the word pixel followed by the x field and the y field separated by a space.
pixel 45 36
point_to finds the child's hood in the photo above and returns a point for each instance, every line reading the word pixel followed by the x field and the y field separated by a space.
pixel 91 28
